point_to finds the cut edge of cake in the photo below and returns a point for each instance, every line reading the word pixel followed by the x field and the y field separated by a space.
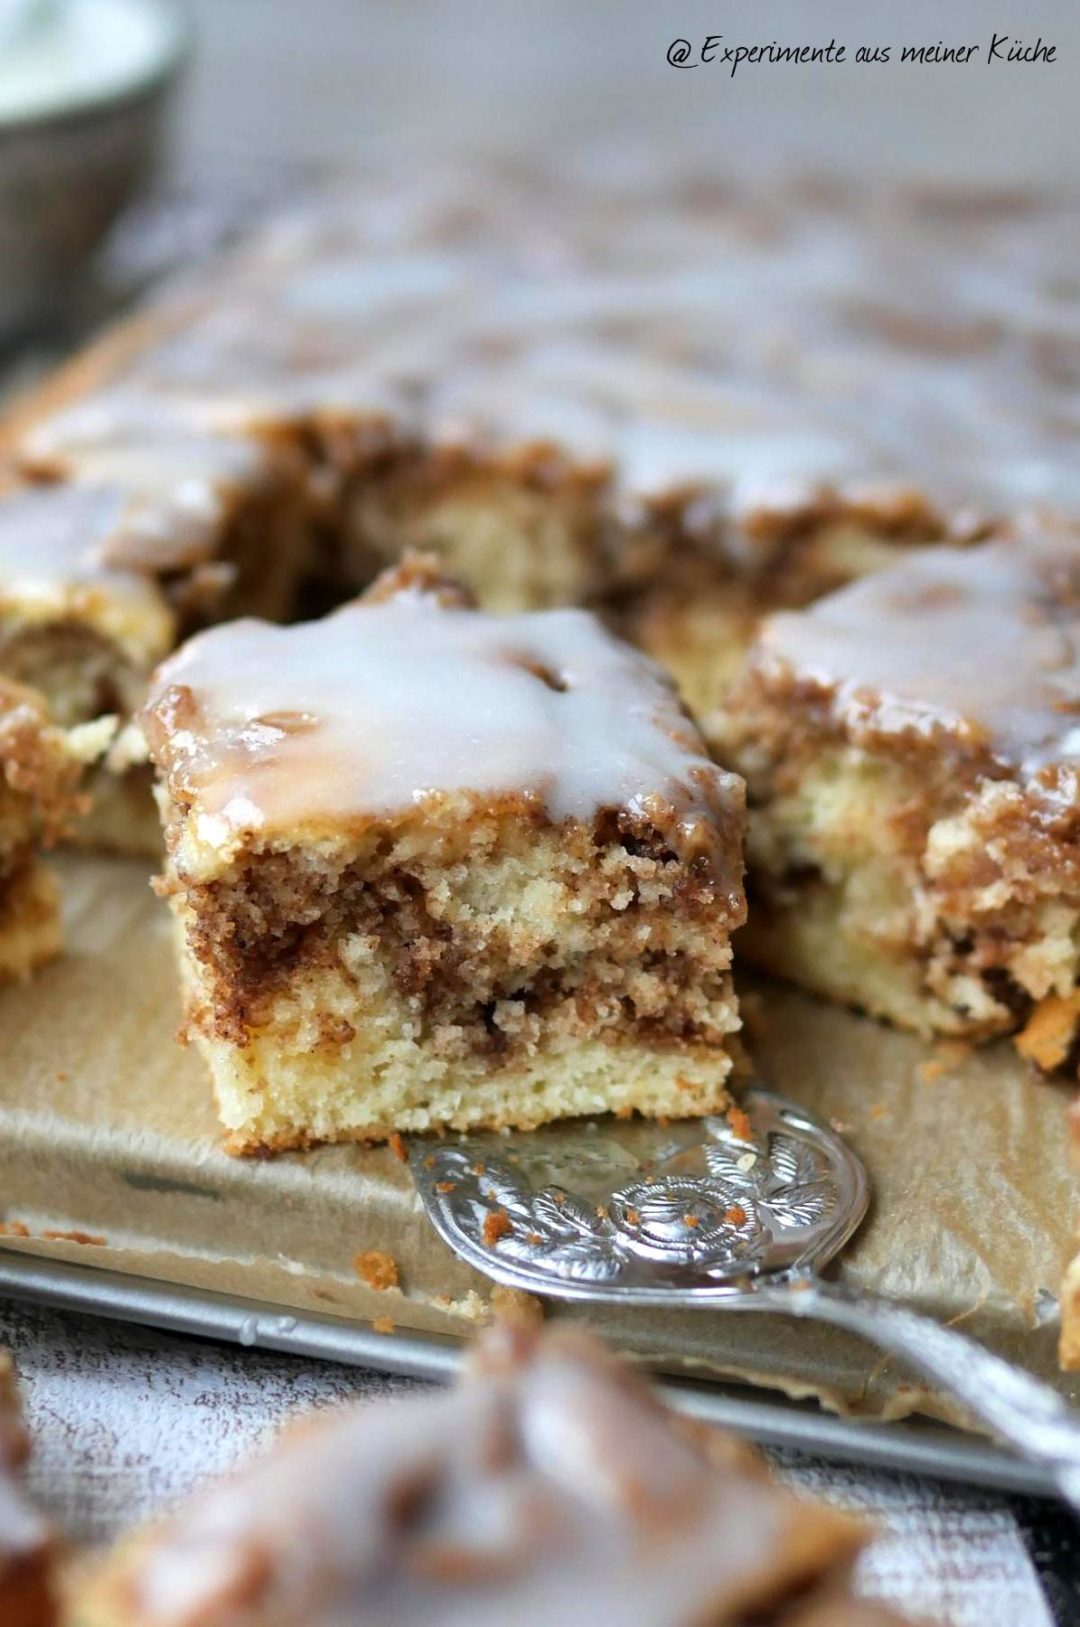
pixel 42 771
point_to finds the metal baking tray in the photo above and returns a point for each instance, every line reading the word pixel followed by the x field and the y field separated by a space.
pixel 119 1200
pixel 910 1447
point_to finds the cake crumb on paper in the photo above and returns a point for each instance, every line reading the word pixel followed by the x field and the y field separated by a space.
pixel 514 1305
pixel 739 1124
pixel 377 1269
pixel 1050 1031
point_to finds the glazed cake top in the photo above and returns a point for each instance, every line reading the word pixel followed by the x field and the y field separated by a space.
pixel 66 551
pixel 276 732
pixel 749 355
pixel 985 645
pixel 545 1487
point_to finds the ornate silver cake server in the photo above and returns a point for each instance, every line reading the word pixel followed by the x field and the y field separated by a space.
pixel 739 1212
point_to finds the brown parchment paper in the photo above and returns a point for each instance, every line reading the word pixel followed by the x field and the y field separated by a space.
pixel 107 1129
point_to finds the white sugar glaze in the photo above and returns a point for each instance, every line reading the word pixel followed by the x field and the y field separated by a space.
pixel 61 556
pixel 366 712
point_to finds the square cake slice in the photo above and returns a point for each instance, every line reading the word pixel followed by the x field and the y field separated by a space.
pixel 27 1548
pixel 437 868
pixel 548 1486
pixel 40 771
pixel 912 756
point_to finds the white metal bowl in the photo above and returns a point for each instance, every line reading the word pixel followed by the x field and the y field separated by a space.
pixel 69 163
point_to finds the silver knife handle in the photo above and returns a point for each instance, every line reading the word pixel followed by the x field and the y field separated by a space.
pixel 1025 1413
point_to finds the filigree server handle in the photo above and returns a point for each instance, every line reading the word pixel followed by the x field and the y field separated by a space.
pixel 1022 1411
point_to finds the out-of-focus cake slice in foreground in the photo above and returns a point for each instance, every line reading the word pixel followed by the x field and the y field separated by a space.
pixel 27 1598
pixel 40 770
pixel 548 1487
pixel 912 757
pixel 436 868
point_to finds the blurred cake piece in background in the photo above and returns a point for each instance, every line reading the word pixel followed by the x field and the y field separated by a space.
pixel 133 543
pixel 436 868
pixel 679 403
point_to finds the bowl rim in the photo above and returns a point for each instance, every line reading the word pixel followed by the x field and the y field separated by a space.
pixel 163 67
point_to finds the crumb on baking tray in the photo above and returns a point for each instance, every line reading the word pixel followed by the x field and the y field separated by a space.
pixel 377 1269
pixel 18 1228
pixel 739 1124
pixel 496 1225
pixel 514 1305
